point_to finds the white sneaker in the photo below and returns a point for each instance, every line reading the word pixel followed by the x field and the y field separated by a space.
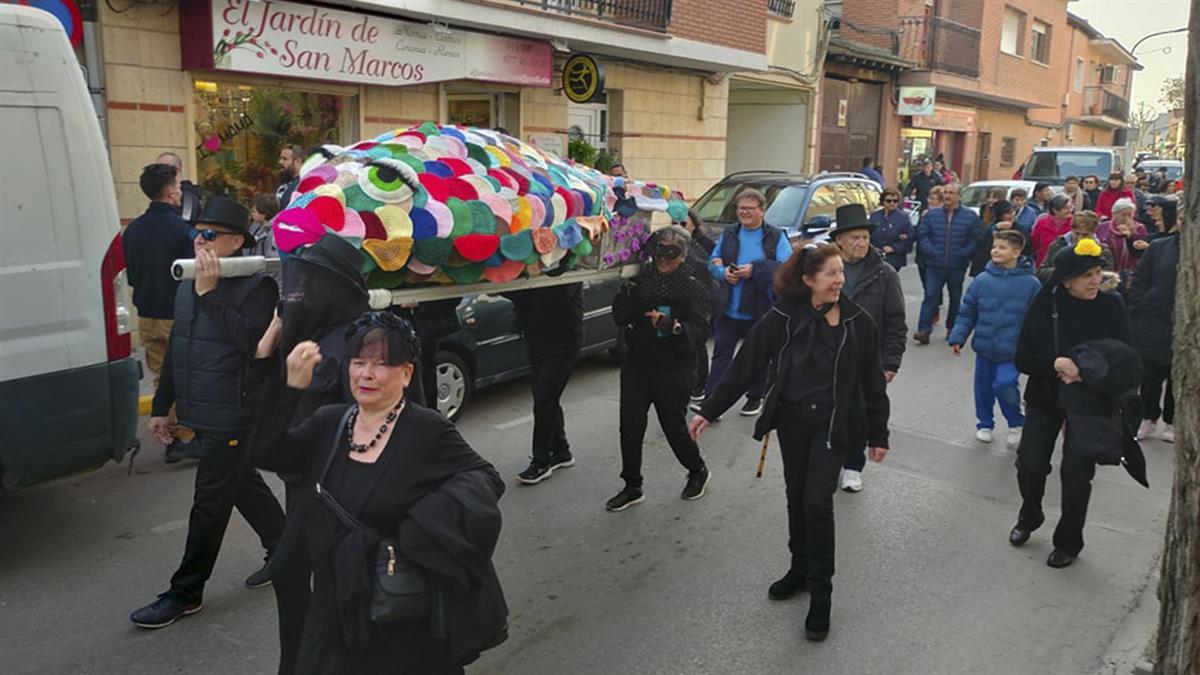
pixel 1147 429
pixel 1168 434
pixel 1014 436
pixel 851 480
pixel 983 435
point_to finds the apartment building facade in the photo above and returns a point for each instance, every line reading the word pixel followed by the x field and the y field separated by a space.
pixel 1002 74
pixel 224 83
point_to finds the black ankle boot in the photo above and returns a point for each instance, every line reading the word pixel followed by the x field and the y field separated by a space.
pixel 788 586
pixel 816 624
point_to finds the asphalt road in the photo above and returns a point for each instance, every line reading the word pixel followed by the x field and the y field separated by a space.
pixel 926 581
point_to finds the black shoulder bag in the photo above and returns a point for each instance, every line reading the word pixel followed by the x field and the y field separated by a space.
pixel 401 590
pixel 1096 438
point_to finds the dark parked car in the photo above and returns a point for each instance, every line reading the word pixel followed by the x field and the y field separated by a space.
pixel 489 348
pixel 804 206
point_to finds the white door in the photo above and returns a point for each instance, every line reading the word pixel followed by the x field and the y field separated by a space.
pixel 588 121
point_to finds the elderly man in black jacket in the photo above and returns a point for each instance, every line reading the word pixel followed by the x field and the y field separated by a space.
pixel 206 374
pixel 875 286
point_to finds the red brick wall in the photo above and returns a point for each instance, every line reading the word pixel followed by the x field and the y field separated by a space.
pixel 741 25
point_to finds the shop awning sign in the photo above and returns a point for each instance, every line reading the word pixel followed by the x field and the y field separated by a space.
pixel 917 101
pixel 944 119
pixel 306 41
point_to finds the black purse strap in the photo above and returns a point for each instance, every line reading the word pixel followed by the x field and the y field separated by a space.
pixel 338 510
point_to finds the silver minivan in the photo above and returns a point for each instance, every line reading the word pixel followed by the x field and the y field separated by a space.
pixel 1053 164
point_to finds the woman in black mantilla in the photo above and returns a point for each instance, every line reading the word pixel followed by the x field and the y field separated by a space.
pixel 405 473
pixel 1069 311
pixel 826 394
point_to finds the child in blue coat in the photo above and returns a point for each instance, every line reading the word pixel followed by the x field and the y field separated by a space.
pixel 994 308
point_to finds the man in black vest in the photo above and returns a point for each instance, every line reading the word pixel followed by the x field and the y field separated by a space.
pixel 743 262
pixel 206 374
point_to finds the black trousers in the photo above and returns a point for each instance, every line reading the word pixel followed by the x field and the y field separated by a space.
pixel 547 379
pixel 1154 376
pixel 224 479
pixel 668 390
pixel 1033 466
pixel 810 473
pixel 291 575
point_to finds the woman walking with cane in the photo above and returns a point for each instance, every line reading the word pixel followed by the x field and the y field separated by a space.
pixel 826 393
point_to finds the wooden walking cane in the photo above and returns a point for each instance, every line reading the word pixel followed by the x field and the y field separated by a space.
pixel 762 458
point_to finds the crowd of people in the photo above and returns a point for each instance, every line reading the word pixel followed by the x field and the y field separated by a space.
pixel 380 557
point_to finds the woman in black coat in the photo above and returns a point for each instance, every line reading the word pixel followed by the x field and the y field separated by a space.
pixel 407 475
pixel 826 393
pixel 1152 308
pixel 1070 310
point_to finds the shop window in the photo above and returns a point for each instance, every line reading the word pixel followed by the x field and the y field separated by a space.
pixel 471 110
pixel 1039 43
pixel 240 130
pixel 1011 32
pixel 1008 151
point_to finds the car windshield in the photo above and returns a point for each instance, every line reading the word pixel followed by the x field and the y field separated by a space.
pixel 975 195
pixel 785 209
pixel 1174 171
pixel 1057 164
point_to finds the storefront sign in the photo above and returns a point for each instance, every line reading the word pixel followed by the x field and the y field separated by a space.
pixel 582 78
pixel 918 101
pixel 943 119
pixel 295 40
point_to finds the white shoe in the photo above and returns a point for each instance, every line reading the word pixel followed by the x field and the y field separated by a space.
pixel 851 480
pixel 983 435
pixel 1168 434
pixel 1014 436
pixel 1146 429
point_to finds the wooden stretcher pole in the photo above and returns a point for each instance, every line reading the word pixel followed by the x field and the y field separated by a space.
pixel 762 457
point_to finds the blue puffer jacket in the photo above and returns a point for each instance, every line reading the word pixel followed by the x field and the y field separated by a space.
pixel 994 307
pixel 948 245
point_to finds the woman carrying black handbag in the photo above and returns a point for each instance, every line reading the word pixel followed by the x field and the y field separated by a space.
pixel 1069 311
pixel 407 520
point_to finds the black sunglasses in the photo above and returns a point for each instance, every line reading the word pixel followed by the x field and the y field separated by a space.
pixel 890 201
pixel 208 234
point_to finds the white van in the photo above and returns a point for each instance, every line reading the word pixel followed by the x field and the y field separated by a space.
pixel 68 385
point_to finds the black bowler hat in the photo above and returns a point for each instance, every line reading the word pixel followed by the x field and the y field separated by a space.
pixel 227 213
pixel 851 217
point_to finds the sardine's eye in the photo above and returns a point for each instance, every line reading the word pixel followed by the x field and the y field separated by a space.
pixel 389 181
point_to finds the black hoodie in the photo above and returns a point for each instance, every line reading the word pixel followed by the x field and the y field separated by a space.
pixel 861 404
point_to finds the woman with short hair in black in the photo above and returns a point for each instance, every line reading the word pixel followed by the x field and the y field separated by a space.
pixel 826 395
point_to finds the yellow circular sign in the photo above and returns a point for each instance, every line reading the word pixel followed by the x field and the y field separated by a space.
pixel 582 78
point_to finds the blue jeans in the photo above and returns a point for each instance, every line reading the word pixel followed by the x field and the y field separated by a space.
pixel 999 382
pixel 727 332
pixel 935 279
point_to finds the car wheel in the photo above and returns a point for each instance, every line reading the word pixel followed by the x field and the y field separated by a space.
pixel 453 384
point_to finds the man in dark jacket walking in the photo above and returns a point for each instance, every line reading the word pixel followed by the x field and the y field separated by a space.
pixel 921 183
pixel 206 374
pixel 744 263
pixel 552 318
pixel 948 236
pixel 875 286
pixel 151 243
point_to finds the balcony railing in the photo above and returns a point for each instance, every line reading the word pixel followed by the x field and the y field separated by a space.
pixel 940 44
pixel 784 8
pixel 648 14
pixel 1098 101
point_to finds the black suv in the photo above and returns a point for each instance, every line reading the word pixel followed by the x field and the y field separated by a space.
pixel 803 206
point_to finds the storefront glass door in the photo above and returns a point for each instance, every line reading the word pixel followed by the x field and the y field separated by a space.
pixel 240 129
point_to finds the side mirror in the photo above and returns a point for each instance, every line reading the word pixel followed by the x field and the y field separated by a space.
pixel 818 225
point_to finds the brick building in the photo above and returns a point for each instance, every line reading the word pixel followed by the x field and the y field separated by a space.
pixel 1003 72
pixel 175 79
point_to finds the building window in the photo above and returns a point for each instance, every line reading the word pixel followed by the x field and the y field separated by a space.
pixel 1080 74
pixel 1109 74
pixel 1008 151
pixel 1010 37
pixel 1039 44
pixel 781 8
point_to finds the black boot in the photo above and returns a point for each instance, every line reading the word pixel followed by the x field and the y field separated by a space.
pixel 792 583
pixel 816 624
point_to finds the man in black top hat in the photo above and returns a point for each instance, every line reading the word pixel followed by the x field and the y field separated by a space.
pixel 875 286
pixel 206 374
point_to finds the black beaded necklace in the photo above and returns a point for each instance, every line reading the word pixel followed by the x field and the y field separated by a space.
pixel 383 428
